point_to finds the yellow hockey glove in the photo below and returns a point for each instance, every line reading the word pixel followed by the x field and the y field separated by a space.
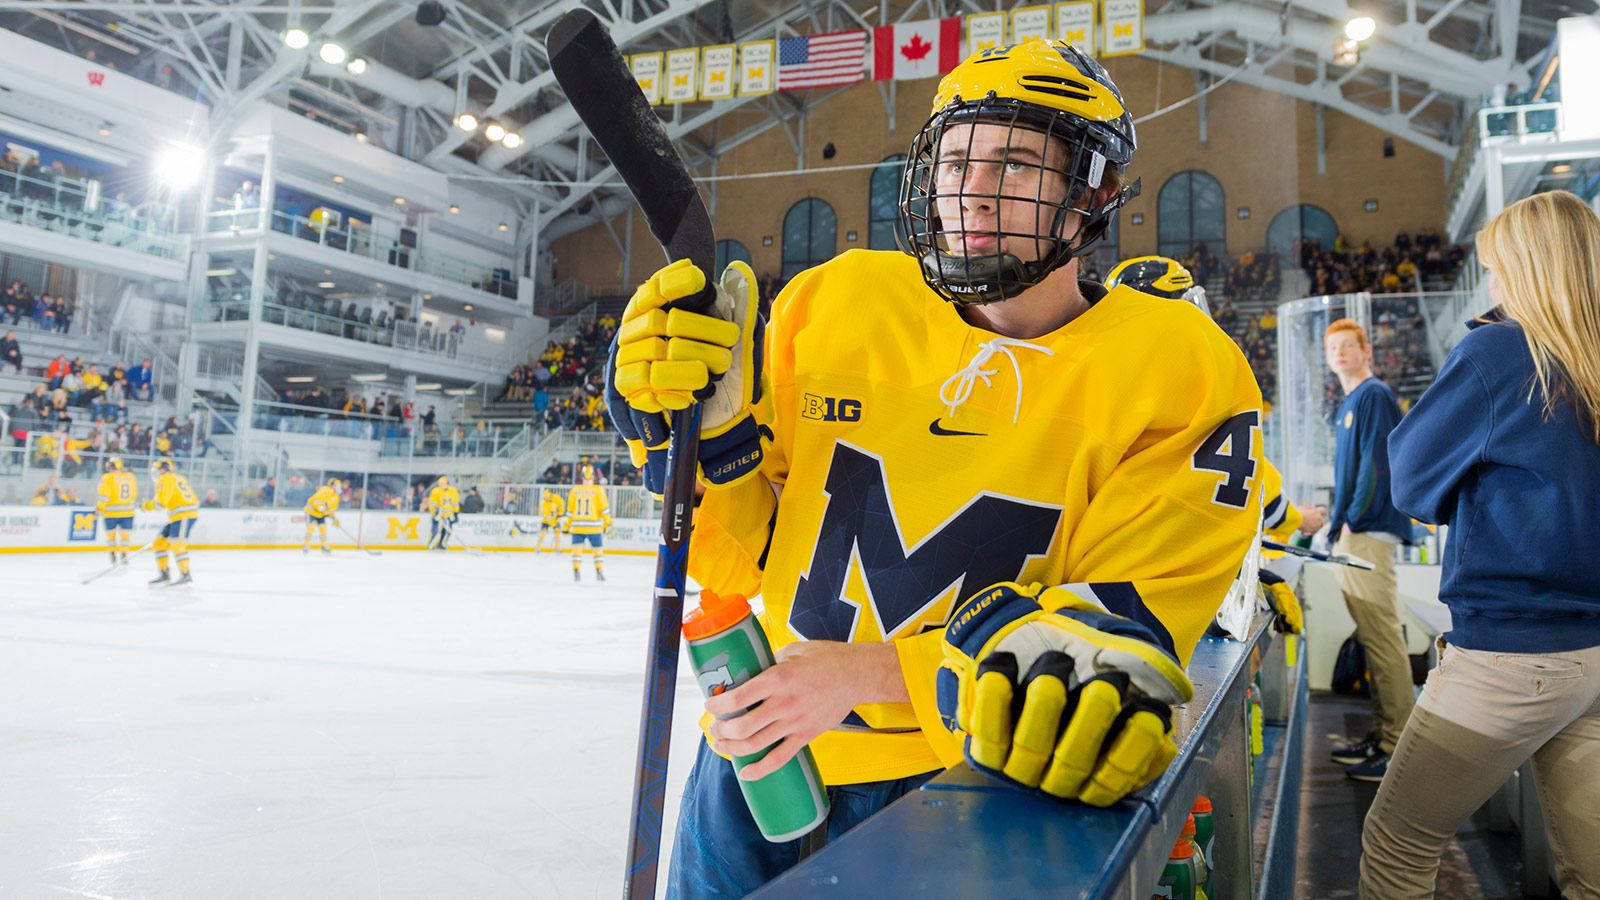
pixel 1075 702
pixel 663 359
pixel 1288 618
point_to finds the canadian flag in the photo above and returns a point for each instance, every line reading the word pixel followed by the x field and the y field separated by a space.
pixel 922 49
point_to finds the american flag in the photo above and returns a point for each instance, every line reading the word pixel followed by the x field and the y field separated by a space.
pixel 821 60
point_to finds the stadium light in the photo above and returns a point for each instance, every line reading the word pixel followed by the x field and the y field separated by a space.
pixel 357 66
pixel 467 122
pixel 494 131
pixel 331 53
pixel 178 166
pixel 296 39
pixel 512 140
pixel 1360 28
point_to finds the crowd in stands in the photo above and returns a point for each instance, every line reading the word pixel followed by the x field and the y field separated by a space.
pixel 43 312
pixel 1403 267
pixel 72 390
pixel 565 387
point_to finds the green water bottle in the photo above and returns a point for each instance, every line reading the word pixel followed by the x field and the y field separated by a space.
pixel 728 648
pixel 1205 829
pixel 1184 876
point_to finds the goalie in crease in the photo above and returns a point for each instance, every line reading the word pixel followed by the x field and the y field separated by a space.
pixel 1047 527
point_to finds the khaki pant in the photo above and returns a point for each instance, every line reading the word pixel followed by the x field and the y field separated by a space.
pixel 1371 597
pixel 1481 716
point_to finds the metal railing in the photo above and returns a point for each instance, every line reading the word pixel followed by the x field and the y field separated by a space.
pixel 400 335
pixel 75 207
pixel 1494 125
pixel 358 239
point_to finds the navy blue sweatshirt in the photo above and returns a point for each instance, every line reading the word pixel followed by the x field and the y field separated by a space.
pixel 1361 463
pixel 1519 492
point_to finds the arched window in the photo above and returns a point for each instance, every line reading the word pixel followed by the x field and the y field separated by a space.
pixel 1301 221
pixel 728 251
pixel 810 231
pixel 1190 211
pixel 883 203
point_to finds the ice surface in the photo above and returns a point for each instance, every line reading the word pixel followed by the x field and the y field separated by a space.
pixel 410 725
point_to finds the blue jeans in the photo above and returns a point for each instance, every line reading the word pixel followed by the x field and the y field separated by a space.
pixel 719 850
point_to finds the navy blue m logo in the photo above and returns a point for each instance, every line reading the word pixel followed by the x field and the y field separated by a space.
pixel 987 540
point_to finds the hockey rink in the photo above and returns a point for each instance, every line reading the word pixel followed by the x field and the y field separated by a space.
pixel 413 724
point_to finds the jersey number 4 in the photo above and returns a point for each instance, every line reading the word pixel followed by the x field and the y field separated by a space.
pixel 1228 451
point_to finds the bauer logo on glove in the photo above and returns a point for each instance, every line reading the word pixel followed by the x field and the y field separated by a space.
pixel 1076 702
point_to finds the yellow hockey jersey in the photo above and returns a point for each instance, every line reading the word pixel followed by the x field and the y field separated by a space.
pixel 587 511
pixel 551 508
pixel 174 495
pixel 443 501
pixel 323 503
pixel 119 494
pixel 911 459
pixel 1279 519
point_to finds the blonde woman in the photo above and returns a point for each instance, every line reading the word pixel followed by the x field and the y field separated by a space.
pixel 1505 448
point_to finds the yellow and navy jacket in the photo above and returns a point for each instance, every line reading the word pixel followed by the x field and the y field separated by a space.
pixel 587 512
pixel 323 503
pixel 444 501
pixel 912 459
pixel 119 494
pixel 174 495
pixel 1279 518
pixel 551 508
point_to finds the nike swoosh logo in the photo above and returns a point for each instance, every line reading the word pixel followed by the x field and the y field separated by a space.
pixel 935 428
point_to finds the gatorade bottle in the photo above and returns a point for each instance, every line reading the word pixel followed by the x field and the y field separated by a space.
pixel 1181 879
pixel 728 648
pixel 1204 834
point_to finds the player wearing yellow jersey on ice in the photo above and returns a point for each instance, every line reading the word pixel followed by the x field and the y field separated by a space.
pixel 1162 276
pixel 119 496
pixel 588 518
pixel 443 504
pixel 172 494
pixel 963 482
pixel 551 510
pixel 320 507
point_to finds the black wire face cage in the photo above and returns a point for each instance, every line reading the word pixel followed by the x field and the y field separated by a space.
pixel 1010 200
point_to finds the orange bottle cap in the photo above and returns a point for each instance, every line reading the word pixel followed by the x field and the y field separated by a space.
pixel 715 614
pixel 1188 828
pixel 1183 849
pixel 1202 804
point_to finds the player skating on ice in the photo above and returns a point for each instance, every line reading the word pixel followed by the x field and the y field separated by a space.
pixel 551 510
pixel 443 504
pixel 119 496
pixel 321 507
pixel 172 494
pixel 588 519
pixel 957 476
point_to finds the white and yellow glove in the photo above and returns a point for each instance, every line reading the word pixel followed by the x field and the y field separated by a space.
pixel 1285 606
pixel 1076 702
pixel 664 359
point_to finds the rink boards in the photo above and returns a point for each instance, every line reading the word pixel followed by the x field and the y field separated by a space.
pixel 66 529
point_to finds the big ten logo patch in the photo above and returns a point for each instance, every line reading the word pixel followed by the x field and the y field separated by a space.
pixel 402 528
pixel 830 409
pixel 82 525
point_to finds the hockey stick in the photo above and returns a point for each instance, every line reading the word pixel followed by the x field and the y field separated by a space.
pixel 116 565
pixel 355 540
pixel 604 94
pixel 1354 562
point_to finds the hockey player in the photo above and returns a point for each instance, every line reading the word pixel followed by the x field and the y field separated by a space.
pixel 964 482
pixel 322 506
pixel 551 510
pixel 173 494
pixel 443 503
pixel 119 496
pixel 587 519
pixel 1161 276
